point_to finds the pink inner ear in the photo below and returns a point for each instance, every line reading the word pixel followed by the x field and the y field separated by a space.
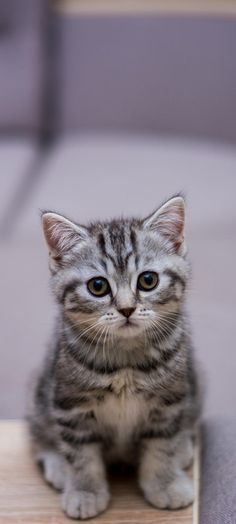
pixel 169 222
pixel 51 239
pixel 59 235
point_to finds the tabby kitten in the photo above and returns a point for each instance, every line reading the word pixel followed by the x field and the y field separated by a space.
pixel 119 380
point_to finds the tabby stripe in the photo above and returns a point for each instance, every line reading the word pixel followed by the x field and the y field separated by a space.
pixel 109 370
pixel 168 354
pixel 70 457
pixel 170 298
pixel 103 264
pixel 69 288
pixel 170 431
pixel 116 235
pixel 133 240
pixel 171 398
pixel 66 403
pixel 72 423
pixel 75 440
pixel 155 415
pixel 102 246
pixel 90 365
pixel 175 277
pixel 127 259
pixel 147 366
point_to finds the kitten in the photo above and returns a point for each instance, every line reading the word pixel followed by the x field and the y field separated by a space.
pixel 119 381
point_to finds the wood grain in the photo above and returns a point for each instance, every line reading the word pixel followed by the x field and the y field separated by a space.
pixel 26 499
pixel 133 7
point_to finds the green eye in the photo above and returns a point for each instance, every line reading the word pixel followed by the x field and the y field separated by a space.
pixel 147 281
pixel 99 286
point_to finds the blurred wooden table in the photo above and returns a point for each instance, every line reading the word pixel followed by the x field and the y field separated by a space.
pixel 26 499
pixel 147 7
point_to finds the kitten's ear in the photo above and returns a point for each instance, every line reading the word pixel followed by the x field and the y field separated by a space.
pixel 61 234
pixel 169 221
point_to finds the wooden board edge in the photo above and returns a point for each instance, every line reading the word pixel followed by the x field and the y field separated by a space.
pixel 219 8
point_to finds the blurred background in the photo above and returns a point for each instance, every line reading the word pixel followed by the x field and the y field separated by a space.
pixel 106 108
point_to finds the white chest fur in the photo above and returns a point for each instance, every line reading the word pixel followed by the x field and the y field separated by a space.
pixel 123 410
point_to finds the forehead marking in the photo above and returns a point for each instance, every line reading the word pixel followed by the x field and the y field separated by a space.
pixel 127 257
pixel 133 240
pixel 102 247
pixel 103 264
pixel 134 243
pixel 117 241
pixel 102 244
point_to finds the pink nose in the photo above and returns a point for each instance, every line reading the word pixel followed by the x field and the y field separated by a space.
pixel 127 311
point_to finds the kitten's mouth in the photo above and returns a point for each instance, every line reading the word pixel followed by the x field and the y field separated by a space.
pixel 128 324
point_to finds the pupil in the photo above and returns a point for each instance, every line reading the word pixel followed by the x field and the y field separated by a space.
pixel 98 285
pixel 148 279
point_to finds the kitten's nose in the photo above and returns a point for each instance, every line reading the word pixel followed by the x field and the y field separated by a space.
pixel 127 311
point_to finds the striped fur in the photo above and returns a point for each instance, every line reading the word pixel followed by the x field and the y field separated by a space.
pixel 113 388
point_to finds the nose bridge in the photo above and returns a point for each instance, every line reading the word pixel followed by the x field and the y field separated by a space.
pixel 125 297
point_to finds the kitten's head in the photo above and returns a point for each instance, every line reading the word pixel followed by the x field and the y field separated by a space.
pixel 123 277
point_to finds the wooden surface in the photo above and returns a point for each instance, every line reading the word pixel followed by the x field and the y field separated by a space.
pixel 26 499
pixel 111 7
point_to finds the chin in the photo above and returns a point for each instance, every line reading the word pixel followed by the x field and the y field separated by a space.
pixel 129 330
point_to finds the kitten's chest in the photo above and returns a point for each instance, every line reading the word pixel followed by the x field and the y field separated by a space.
pixel 123 410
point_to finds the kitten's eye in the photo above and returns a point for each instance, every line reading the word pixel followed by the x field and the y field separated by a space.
pixel 99 286
pixel 147 281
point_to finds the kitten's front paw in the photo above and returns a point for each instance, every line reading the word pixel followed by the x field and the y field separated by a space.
pixel 54 468
pixel 176 494
pixel 84 504
pixel 185 453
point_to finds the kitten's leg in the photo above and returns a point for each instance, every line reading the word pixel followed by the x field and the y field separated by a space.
pixel 54 467
pixel 86 492
pixel 185 450
pixel 164 483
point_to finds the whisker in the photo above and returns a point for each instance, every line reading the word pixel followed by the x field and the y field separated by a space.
pixel 104 342
pixel 155 332
pixel 162 325
pixel 96 349
pixel 87 320
pixel 87 330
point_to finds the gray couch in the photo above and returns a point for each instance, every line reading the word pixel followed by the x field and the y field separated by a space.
pixel 103 115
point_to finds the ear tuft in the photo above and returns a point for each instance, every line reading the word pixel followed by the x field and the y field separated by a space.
pixel 60 233
pixel 169 221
